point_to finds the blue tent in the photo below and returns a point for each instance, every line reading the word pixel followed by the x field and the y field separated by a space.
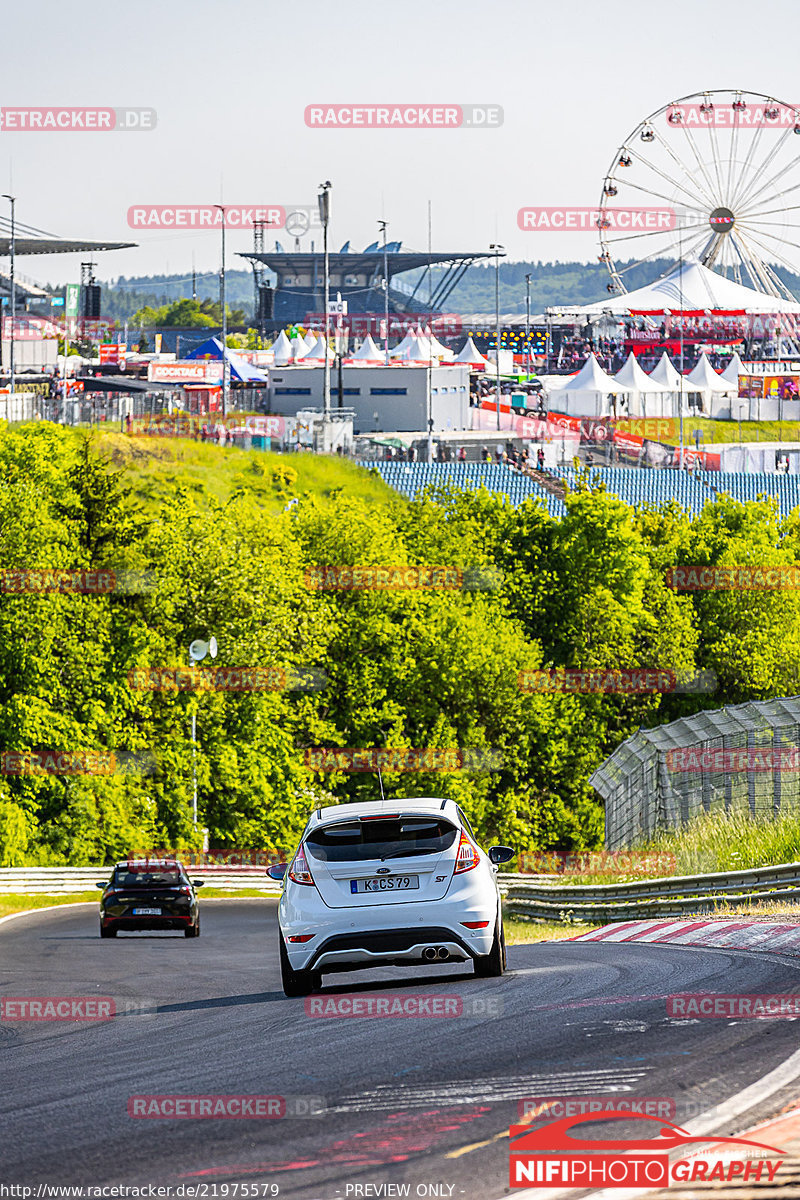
pixel 240 368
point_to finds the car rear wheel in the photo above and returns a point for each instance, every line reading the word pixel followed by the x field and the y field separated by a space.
pixel 192 930
pixel 493 964
pixel 107 931
pixel 297 983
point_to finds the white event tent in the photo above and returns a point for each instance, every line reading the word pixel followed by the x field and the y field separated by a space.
pixel 401 349
pixel 282 350
pixel 469 353
pixel 317 353
pixel 368 352
pixel 648 397
pixel 666 372
pixel 716 393
pixel 690 285
pixel 592 393
pixel 734 369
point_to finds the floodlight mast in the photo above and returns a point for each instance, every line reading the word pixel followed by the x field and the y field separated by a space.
pixel 197 652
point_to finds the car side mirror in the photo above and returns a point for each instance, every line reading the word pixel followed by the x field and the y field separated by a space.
pixel 102 886
pixel 198 883
pixel 501 854
pixel 278 871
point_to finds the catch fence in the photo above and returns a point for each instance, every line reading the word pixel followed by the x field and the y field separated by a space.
pixel 743 759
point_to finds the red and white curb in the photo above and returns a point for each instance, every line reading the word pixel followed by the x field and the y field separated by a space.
pixel 770 936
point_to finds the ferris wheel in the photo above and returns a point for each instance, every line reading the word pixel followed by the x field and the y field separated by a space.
pixel 726 166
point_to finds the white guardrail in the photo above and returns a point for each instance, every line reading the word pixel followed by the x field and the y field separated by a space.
pixel 546 898
pixel 531 897
pixel 65 881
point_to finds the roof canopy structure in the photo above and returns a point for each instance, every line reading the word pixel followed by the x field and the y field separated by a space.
pixel 691 286
pixel 301 274
pixel 23 245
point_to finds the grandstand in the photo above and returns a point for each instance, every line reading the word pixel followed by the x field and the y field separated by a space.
pixel 692 490
pixel 637 487
pixel 411 478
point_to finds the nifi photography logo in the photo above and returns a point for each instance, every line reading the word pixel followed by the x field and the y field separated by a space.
pixel 553 1156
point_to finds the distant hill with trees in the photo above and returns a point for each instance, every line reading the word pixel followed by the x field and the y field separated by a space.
pixel 552 284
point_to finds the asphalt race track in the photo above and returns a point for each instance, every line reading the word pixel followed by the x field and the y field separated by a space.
pixel 419 1101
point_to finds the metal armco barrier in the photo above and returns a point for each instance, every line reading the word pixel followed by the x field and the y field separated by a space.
pixel 673 896
pixel 64 881
pixel 531 897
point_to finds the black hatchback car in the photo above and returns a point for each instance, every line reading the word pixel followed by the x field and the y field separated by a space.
pixel 151 893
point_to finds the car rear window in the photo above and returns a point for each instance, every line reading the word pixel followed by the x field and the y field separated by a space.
pixel 395 837
pixel 147 878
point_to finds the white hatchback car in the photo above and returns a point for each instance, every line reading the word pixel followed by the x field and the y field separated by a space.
pixel 388 883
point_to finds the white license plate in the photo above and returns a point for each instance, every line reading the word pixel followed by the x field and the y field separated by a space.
pixel 147 912
pixel 387 883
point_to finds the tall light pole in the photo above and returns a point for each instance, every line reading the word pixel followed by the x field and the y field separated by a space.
pixel 497 251
pixel 680 398
pixel 382 227
pixel 225 371
pixel 324 201
pixel 197 652
pixel 527 326
pixel 12 200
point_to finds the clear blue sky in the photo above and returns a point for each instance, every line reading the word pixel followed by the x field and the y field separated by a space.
pixel 230 83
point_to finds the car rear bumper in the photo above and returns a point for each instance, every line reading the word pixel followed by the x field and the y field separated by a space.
pixel 133 923
pixel 421 945
pixel 390 947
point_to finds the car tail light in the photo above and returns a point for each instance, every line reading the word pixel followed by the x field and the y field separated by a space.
pixel 306 937
pixel 298 871
pixel 185 891
pixel 474 924
pixel 467 856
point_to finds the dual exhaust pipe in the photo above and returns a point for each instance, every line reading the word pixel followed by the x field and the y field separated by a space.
pixel 430 953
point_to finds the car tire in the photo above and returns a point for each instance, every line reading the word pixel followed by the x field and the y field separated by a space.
pixel 297 983
pixel 192 930
pixel 107 931
pixel 493 964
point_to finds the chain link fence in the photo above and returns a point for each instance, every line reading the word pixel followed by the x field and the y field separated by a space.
pixel 744 759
